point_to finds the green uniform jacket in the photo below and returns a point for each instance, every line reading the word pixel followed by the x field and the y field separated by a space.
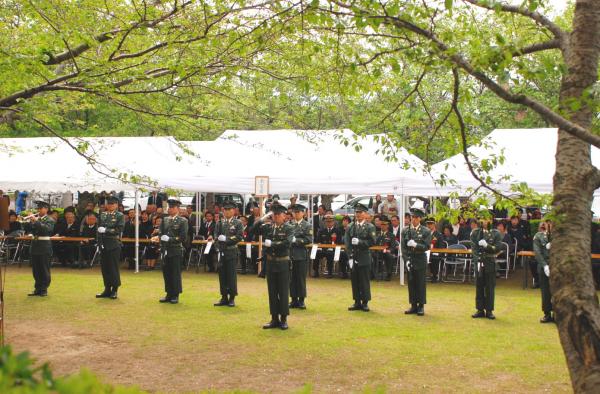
pixel 366 238
pixel 43 227
pixel 114 224
pixel 233 229
pixel 542 255
pixel 416 255
pixel 281 240
pixel 176 228
pixel 494 241
pixel 303 232
pixel 388 239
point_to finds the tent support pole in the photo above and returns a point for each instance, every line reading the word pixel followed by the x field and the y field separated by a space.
pixel 137 230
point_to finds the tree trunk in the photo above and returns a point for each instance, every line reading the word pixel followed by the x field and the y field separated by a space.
pixel 574 295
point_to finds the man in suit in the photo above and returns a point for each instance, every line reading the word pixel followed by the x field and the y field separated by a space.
pixel 318 219
pixel 228 233
pixel 299 255
pixel 486 242
pixel 172 233
pixel 416 241
pixel 87 249
pixel 359 237
pixel 329 233
pixel 277 243
pixel 207 229
pixel 41 227
pixel 109 231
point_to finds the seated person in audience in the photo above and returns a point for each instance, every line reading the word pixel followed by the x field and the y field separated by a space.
pixel 501 227
pixel 153 250
pixel 87 249
pixel 437 241
pixel 128 250
pixel 208 229
pixel 67 251
pixel 343 255
pixel 448 236
pixel 15 228
pixel 386 239
pixel 464 230
pixel 329 234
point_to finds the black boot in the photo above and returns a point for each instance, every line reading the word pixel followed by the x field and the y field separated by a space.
pixel 274 323
pixel 365 306
pixel 478 314
pixel 547 318
pixel 231 301
pixel 294 303
pixel 35 293
pixel 355 307
pixel 283 324
pixel 167 298
pixel 412 310
pixel 223 302
pixel 490 315
pixel 420 310
pixel 301 304
pixel 174 300
pixel 104 294
pixel 113 293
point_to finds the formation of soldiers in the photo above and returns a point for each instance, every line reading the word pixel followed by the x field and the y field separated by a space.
pixel 286 256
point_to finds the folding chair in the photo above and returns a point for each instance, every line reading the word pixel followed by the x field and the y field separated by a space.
pixel 456 260
pixel 504 258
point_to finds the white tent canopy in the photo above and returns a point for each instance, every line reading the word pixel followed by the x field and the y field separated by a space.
pixel 529 156
pixel 293 163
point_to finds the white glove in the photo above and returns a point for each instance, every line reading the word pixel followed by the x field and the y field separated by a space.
pixel 222 238
pixel 479 266
pixel 408 265
pixel 101 230
pixel 547 270
pixel 266 216
pixel 548 245
pixel 164 238
pixel 267 243
pixel 411 243
pixel 355 241
pixel 293 240
pixel 483 243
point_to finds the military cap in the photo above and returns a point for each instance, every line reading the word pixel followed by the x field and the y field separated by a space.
pixel 229 205
pixel 430 220
pixel 278 208
pixel 360 208
pixel 298 207
pixel 329 217
pixel 42 204
pixel 383 219
pixel 112 200
pixel 173 203
pixel 417 212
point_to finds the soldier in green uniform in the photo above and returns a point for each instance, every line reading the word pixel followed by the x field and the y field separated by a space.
pixel 389 254
pixel 228 233
pixel 359 237
pixel 415 241
pixel 303 233
pixel 277 243
pixel 541 246
pixel 486 243
pixel 41 227
pixel 110 227
pixel 173 233
pixel 436 238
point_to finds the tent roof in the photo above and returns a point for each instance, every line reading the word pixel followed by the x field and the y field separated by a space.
pixel 295 161
pixel 529 156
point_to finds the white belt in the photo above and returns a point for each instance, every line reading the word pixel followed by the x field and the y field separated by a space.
pixel 41 238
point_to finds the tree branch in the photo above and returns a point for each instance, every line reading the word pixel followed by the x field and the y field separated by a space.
pixel 493 5
pixel 537 47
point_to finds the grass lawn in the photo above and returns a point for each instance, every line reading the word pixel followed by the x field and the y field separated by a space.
pixel 194 346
